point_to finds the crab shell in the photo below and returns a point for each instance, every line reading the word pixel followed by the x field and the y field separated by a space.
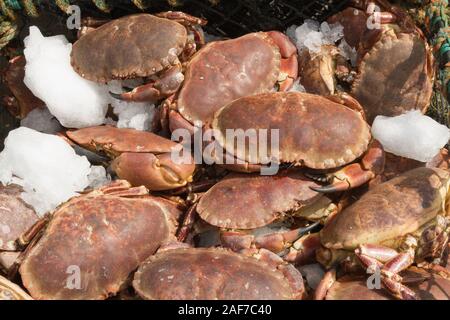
pixel 133 46
pixel 225 70
pixel 243 201
pixel 140 157
pixel 11 291
pixel 16 217
pixel 212 274
pixel 388 212
pixel 401 83
pixel 99 237
pixel 313 131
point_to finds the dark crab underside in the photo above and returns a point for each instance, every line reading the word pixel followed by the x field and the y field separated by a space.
pixel 313 131
pixel 209 274
pixel 128 47
pixel 104 238
pixel 226 70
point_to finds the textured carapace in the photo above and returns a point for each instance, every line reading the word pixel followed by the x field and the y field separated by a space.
pixel 247 201
pixel 390 210
pixel 225 70
pixel 129 47
pixel 211 274
pixel 313 131
pixel 95 241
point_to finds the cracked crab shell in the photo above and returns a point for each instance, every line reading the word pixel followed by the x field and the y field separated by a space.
pixel 93 243
pixel 226 70
pixel 247 201
pixel 313 131
pixel 389 210
pixel 132 46
pixel 209 274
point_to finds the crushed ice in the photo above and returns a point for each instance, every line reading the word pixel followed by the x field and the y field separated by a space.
pixel 47 168
pixel 312 35
pixel 411 135
pixel 135 115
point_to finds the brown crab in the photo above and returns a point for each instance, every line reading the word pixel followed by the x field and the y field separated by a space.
pixel 22 100
pixel 248 209
pixel 98 239
pixel 16 218
pixel 393 225
pixel 388 86
pixel 225 70
pixel 140 157
pixel 214 273
pixel 314 132
pixel 140 45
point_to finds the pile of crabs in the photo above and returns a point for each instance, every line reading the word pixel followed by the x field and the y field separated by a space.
pixel 340 213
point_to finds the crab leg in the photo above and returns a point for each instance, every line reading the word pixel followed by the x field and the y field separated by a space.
pixel 303 251
pixel 188 221
pixel 275 242
pixel 156 90
pixel 289 59
pixel 372 256
pixel 325 284
pixel 355 174
pixel 182 18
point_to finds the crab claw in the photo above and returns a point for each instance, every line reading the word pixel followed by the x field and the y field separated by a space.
pixel 289 59
pixel 275 242
pixel 166 85
pixel 156 172
pixel 355 174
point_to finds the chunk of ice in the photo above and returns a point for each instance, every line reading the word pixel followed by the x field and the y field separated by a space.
pixel 45 166
pixel 74 101
pixel 98 177
pixel 40 119
pixel 411 135
pixel 135 115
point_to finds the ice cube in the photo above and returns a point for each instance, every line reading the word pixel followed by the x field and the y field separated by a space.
pixel 73 100
pixel 411 135
pixel 46 167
